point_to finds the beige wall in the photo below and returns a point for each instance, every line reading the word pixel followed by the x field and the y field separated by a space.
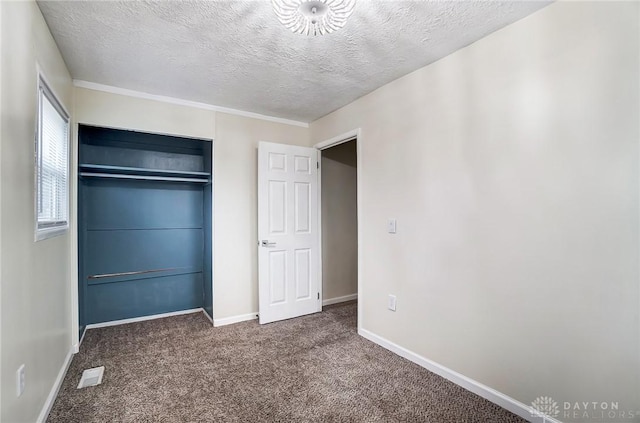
pixel 339 221
pixel 235 208
pixel 119 111
pixel 36 298
pixel 512 168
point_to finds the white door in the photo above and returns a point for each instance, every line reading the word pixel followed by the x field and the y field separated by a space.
pixel 289 244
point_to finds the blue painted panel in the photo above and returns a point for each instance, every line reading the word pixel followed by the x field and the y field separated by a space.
pixel 108 137
pixel 143 297
pixel 130 204
pixel 132 157
pixel 139 250
pixel 208 289
pixel 208 230
pixel 82 320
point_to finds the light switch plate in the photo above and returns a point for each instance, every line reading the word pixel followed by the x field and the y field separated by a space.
pixel 391 226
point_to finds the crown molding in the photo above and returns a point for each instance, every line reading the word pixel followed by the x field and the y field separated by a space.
pixel 172 100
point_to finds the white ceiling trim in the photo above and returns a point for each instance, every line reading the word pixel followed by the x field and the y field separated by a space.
pixel 181 102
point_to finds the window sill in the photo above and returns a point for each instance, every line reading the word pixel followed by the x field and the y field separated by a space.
pixel 42 234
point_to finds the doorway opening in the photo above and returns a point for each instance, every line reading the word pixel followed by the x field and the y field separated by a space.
pixel 292 279
pixel 339 223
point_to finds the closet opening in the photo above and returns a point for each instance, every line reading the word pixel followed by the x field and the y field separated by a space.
pixel 144 226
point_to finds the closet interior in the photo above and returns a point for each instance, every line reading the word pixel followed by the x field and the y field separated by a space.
pixel 144 224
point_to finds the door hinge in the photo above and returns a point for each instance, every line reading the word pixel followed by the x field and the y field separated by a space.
pixel 317 165
pixel 318 295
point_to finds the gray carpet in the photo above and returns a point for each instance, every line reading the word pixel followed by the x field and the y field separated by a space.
pixel 310 369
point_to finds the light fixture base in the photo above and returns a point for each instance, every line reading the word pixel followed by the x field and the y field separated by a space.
pixel 313 17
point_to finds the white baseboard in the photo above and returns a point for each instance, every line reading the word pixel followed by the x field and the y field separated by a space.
pixel 207 316
pixel 143 318
pixel 234 319
pixel 490 394
pixel 76 347
pixel 337 300
pixel 53 394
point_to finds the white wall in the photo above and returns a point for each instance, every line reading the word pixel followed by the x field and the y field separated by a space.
pixel 236 212
pixel 35 308
pixel 512 168
pixel 339 221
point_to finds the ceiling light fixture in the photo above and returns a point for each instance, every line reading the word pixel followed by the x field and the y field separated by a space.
pixel 313 17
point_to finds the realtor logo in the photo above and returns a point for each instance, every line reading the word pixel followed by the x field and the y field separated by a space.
pixel 545 407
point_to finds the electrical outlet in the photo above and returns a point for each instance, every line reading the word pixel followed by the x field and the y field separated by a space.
pixel 391 304
pixel 20 380
pixel 391 226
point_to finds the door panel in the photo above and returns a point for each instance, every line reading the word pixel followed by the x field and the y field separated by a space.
pixel 302 165
pixel 277 207
pixel 277 276
pixel 277 162
pixel 288 231
pixel 303 274
pixel 302 207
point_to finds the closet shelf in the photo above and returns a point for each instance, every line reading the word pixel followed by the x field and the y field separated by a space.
pixel 140 170
pixel 123 172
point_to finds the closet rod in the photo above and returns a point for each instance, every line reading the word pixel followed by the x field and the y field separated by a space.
pixel 145 177
pixel 139 272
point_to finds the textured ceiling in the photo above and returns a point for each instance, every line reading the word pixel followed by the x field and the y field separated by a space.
pixel 236 54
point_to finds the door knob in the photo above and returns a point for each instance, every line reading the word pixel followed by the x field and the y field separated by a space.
pixel 266 243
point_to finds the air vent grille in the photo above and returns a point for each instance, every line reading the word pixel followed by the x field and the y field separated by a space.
pixel 91 377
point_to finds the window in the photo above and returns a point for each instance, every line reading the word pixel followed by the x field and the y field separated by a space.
pixel 52 165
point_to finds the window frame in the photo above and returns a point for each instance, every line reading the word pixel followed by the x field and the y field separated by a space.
pixel 49 229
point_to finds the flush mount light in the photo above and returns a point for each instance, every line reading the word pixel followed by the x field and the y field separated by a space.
pixel 313 17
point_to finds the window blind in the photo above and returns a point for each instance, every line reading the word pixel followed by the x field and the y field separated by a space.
pixel 52 163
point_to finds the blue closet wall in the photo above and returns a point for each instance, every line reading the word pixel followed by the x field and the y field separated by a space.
pixel 145 224
pixel 208 229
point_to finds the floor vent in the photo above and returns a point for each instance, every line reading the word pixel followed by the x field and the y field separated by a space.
pixel 91 377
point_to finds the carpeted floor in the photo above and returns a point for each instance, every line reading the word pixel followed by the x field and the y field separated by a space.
pixel 310 369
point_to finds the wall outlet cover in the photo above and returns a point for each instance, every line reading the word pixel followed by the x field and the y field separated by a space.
pixel 391 305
